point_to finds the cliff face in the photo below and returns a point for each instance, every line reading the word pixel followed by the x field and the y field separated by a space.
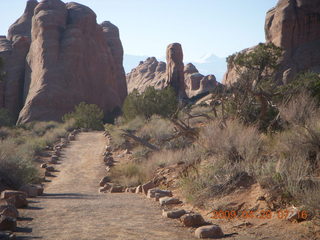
pixel 186 81
pixel 293 25
pixel 56 56
pixel 13 51
pixel 148 73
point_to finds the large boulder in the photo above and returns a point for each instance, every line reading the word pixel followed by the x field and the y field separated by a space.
pixel 293 25
pixel 72 59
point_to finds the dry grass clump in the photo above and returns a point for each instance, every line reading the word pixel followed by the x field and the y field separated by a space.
pixel 231 149
pixel 158 129
pixel 142 170
pixel 16 164
pixel 130 174
pixel 18 148
pixel 232 142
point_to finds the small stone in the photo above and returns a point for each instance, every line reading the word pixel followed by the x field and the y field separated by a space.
pixel 127 151
pixel 32 190
pixel 19 201
pixel 168 201
pixel 160 193
pixel 117 189
pixel 71 137
pixel 43 165
pixel 50 169
pixel 47 173
pixel 54 159
pixel 108 148
pixel 104 180
pixel 192 220
pixel 7 236
pixel 105 188
pixel 57 152
pixel 139 189
pixel 211 231
pixel 9 211
pixel 173 213
pixel 10 193
pixel 7 223
pixel 147 186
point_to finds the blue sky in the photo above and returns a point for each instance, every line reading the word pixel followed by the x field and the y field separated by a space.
pixel 203 27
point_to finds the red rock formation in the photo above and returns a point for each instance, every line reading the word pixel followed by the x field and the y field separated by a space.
pixel 148 73
pixel 71 59
pixel 13 51
pixel 293 25
pixel 153 73
pixel 175 69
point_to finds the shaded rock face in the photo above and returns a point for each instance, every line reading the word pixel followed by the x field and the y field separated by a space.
pixel 71 59
pixel 13 51
pixel 153 73
pixel 148 73
pixel 293 25
pixel 175 69
pixel 196 83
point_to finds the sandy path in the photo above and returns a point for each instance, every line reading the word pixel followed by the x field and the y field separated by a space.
pixel 73 209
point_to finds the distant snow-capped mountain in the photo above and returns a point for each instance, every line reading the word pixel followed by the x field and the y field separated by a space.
pixel 206 65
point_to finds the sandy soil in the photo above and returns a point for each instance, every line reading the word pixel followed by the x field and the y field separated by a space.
pixel 73 209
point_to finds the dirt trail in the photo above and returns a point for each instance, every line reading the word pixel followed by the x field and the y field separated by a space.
pixel 73 209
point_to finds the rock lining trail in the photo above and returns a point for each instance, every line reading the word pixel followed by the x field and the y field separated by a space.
pixel 72 208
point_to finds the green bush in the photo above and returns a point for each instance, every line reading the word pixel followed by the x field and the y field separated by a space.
pixel 161 102
pixel 5 118
pixel 305 82
pixel 88 116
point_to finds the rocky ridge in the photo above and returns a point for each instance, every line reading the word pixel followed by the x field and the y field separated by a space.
pixel 157 74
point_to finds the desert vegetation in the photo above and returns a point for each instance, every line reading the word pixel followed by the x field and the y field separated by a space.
pixel 20 145
pixel 256 128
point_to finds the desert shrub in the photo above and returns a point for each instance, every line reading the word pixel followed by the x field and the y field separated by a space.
pixel 233 142
pixel 299 110
pixel 130 174
pixel 88 116
pixel 143 169
pixel 16 164
pixel 157 128
pixel 5 118
pixel 20 146
pixel 40 128
pixel 252 93
pixel 304 82
pixel 229 149
pixel 161 102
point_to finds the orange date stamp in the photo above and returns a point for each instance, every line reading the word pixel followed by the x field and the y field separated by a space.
pixel 260 214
